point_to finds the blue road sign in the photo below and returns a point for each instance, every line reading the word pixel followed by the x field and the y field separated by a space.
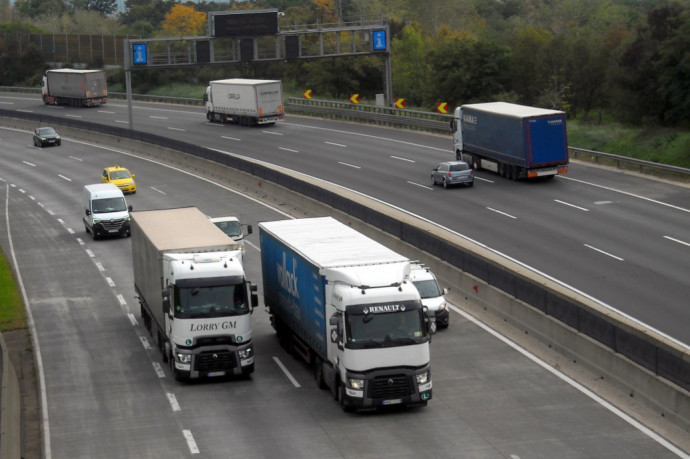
pixel 139 53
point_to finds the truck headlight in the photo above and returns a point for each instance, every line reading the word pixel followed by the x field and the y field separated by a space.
pixel 442 307
pixel 354 383
pixel 183 358
pixel 96 220
pixel 423 378
pixel 246 353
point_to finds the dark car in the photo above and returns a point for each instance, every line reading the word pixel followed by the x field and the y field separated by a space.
pixel 46 136
pixel 453 173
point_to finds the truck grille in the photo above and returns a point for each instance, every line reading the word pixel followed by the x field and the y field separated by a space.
pixel 391 387
pixel 112 224
pixel 214 361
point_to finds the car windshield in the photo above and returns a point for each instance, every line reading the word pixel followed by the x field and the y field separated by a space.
pixel 106 205
pixel 232 229
pixel 46 131
pixel 217 301
pixel 116 175
pixel 428 288
pixel 459 167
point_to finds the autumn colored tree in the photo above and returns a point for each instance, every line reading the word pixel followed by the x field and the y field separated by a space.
pixel 184 21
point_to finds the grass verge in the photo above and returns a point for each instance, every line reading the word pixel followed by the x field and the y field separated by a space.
pixel 12 311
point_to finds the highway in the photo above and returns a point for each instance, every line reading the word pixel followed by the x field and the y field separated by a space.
pixel 108 394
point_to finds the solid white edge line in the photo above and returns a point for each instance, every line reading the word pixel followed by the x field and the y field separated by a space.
pixel 287 373
pixel 34 335
pixel 633 422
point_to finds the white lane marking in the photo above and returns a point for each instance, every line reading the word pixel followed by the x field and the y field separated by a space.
pixel 132 319
pixel 420 185
pixel 350 133
pixel 156 189
pixel 502 213
pixel 61 221
pixel 70 230
pixel 252 245
pixel 403 159
pixel 682 209
pixel 335 144
pixel 105 111
pixel 145 342
pixel 122 300
pixel 159 370
pixel 158 117
pixel 110 281
pixel 25 111
pixel 122 121
pixel 65 178
pixel 81 241
pixel 32 198
pixel 28 163
pixel 349 165
pixel 6 103
pixel 75 158
pixel 571 205
pixel 22 191
pixel 602 252
pixel 603 202
pixel 272 133
pixel 288 149
pixel 633 422
pixel 190 441
pixel 74 116
pixel 287 373
pixel 100 266
pixel 173 402
pixel 230 138
pixel 90 252
pixel 176 129
pixel 45 424
pixel 677 240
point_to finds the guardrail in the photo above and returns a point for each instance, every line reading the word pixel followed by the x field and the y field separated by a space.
pixel 408 119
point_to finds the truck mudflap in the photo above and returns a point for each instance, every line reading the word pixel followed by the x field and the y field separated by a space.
pixel 406 387
pixel 547 171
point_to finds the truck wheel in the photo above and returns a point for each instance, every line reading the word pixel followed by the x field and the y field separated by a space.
pixel 209 116
pixel 475 162
pixel 318 373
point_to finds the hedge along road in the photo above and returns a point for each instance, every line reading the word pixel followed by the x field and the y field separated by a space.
pixel 113 401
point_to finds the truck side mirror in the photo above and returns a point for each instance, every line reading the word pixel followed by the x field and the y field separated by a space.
pixel 334 321
pixel 87 212
pixel 129 207
pixel 446 290
pixel 165 293
pixel 249 229
pixel 430 321
pixel 254 298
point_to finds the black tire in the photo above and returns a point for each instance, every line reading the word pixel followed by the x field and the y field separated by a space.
pixel 471 184
pixel 475 162
pixel 318 373
pixel 433 182
pixel 445 184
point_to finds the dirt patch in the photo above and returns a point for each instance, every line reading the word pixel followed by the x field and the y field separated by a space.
pixel 21 353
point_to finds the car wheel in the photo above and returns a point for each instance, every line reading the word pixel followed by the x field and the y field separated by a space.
pixel 433 182
pixel 470 184
pixel 445 183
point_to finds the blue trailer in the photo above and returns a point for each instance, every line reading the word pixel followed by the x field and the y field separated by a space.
pixel 515 141
pixel 346 305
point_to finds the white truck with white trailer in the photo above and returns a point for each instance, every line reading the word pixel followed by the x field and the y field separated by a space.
pixel 345 304
pixel 244 101
pixel 194 297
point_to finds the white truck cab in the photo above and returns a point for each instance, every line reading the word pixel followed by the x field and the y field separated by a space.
pixel 432 295
pixel 232 227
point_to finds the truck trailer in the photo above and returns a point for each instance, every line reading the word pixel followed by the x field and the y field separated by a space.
pixel 194 297
pixel 77 88
pixel 345 304
pixel 243 101
pixel 516 141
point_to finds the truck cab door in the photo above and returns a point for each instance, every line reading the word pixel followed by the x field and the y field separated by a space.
pixel 456 128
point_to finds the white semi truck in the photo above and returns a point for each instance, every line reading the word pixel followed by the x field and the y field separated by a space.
pixel 345 304
pixel 243 101
pixel 194 297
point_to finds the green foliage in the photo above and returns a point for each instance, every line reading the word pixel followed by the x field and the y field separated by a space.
pixel 12 312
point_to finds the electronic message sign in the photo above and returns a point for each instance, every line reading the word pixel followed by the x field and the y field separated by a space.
pixel 243 23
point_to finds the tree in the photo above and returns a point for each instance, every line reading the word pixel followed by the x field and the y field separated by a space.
pixel 184 21
pixel 105 7
pixel 411 66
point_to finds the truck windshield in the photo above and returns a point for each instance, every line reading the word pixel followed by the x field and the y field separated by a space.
pixel 106 205
pixel 398 328
pixel 216 301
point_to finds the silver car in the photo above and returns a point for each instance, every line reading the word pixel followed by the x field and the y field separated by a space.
pixel 453 173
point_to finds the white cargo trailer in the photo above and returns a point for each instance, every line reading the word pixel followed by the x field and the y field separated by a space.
pixel 243 101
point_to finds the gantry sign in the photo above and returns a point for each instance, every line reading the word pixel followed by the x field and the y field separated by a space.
pixel 255 35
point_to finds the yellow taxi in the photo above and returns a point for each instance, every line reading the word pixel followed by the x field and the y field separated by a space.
pixel 120 177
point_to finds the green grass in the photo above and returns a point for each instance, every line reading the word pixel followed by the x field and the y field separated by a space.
pixel 661 145
pixel 12 312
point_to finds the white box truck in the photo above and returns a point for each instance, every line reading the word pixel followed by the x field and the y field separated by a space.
pixel 194 297
pixel 345 304
pixel 243 101
pixel 77 88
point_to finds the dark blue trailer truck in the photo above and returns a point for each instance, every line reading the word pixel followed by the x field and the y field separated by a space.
pixel 515 141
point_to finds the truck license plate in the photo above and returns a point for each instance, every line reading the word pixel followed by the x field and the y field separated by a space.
pixel 395 401
pixel 215 373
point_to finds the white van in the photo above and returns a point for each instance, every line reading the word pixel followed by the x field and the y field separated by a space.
pixel 105 211
pixel 432 295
